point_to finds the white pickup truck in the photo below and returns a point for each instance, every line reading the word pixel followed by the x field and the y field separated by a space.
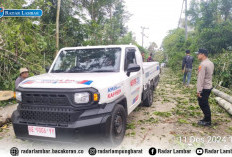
pixel 87 90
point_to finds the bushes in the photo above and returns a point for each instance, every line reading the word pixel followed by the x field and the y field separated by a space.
pixel 223 68
pixel 216 38
pixel 25 41
pixel 175 48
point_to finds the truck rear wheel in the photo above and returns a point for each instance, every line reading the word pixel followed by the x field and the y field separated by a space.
pixel 149 100
pixel 117 127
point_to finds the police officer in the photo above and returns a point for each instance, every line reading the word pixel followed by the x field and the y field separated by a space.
pixel 204 85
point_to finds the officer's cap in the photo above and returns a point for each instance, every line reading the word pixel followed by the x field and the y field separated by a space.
pixel 203 51
pixel 187 51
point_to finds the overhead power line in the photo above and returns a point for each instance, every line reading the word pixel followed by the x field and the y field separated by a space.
pixel 186 27
pixel 186 18
pixel 143 34
pixel 181 13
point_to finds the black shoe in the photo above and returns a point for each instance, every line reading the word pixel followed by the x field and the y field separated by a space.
pixel 204 123
pixel 202 120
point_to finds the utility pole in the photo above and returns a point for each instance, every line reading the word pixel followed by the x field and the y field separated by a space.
pixel 143 28
pixel 57 25
pixel 181 13
pixel 186 27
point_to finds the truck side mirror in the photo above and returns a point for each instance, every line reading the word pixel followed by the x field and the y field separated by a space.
pixel 132 68
pixel 47 68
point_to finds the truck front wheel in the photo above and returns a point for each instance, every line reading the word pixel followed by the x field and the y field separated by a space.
pixel 117 126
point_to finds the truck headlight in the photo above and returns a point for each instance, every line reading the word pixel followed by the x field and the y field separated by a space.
pixel 18 96
pixel 82 98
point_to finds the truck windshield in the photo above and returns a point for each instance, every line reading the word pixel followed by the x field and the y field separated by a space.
pixel 88 60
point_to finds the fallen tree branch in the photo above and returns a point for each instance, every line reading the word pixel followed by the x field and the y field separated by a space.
pixel 6 95
pixel 19 57
pixel 222 95
pixel 226 105
pixel 226 90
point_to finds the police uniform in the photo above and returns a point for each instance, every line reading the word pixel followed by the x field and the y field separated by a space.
pixel 204 87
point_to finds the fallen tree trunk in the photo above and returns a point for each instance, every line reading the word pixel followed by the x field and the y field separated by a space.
pixel 226 105
pixel 6 95
pixel 225 89
pixel 222 95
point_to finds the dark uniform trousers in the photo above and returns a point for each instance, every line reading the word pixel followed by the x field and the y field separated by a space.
pixel 204 104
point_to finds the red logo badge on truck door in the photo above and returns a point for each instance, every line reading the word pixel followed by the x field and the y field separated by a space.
pixel 134 82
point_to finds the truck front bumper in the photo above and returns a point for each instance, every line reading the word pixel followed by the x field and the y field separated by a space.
pixel 86 128
pixel 91 122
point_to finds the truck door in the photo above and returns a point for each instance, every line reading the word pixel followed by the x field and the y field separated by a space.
pixel 133 81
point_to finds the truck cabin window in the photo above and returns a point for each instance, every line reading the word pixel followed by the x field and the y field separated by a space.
pixel 88 60
pixel 130 59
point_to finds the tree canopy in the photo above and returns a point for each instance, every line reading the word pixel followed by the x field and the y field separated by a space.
pixel 212 22
pixel 30 42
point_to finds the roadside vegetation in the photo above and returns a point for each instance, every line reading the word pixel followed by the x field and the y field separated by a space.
pixel 31 42
pixel 211 23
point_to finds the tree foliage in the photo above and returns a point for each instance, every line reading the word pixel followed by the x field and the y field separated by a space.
pixel 212 22
pixel 30 42
pixel 152 47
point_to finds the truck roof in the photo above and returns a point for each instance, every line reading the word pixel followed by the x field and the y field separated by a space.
pixel 99 46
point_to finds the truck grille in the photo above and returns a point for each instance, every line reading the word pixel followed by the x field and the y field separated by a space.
pixel 47 115
pixel 45 99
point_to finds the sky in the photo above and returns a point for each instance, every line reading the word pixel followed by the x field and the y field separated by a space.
pixel 159 16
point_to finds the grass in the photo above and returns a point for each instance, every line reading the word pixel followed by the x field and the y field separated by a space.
pixel 229 130
pixel 195 124
pixel 138 109
pixel 191 107
pixel 186 112
pixel 188 107
pixel 146 113
pixel 130 126
pixel 131 134
pixel 151 120
pixel 183 121
pixel 7 102
pixel 142 128
pixel 162 114
pixel 166 100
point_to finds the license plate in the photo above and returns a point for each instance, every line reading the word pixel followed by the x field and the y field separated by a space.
pixel 42 131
